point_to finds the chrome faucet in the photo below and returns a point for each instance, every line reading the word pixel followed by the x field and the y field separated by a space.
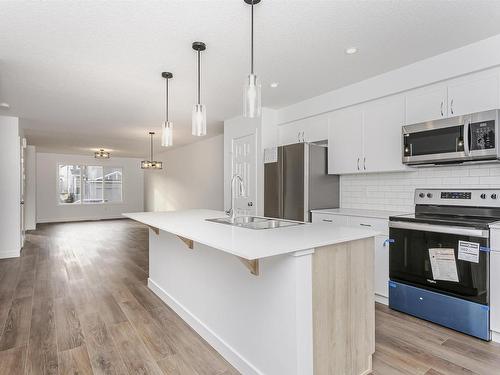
pixel 241 190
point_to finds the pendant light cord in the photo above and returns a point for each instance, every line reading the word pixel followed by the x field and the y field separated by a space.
pixel 199 74
pixel 151 147
pixel 166 102
pixel 251 47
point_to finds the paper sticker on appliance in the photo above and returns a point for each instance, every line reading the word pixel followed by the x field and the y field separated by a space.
pixel 443 264
pixel 468 251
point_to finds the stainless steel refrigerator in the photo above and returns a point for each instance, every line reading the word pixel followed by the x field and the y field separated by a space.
pixel 296 180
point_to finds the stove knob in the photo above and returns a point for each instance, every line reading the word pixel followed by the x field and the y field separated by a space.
pixel 429 195
pixel 493 196
pixel 483 196
pixel 421 195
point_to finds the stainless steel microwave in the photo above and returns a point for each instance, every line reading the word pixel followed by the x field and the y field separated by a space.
pixel 459 139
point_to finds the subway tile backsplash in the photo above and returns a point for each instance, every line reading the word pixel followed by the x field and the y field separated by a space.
pixel 394 191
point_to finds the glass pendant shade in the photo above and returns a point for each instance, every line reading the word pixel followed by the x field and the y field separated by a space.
pixel 252 97
pixel 199 120
pixel 167 134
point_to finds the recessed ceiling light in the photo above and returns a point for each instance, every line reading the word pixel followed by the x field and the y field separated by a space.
pixel 4 105
pixel 351 50
pixel 274 84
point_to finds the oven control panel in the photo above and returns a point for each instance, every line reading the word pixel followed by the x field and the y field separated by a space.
pixel 459 197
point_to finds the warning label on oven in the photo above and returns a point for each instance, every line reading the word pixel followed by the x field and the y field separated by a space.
pixel 468 251
pixel 443 264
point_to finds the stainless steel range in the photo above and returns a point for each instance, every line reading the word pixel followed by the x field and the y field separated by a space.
pixel 439 260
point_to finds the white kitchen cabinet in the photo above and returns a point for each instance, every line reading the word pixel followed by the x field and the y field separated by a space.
pixel 381 266
pixel 382 140
pixel 311 129
pixel 367 137
pixel 495 293
pixel 345 141
pixel 427 103
pixel 328 218
pixel 475 93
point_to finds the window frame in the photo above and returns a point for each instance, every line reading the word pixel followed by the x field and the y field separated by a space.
pixel 82 203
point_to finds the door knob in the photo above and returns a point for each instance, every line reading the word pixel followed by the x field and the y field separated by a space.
pixel 250 204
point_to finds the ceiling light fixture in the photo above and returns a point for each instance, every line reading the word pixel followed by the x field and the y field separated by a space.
pixel 167 126
pixel 199 117
pixel 101 154
pixel 274 84
pixel 252 87
pixel 151 164
pixel 351 50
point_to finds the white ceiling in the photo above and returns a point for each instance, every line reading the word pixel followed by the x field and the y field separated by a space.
pixel 84 75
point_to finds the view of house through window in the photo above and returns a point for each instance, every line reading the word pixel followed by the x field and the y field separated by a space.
pixel 89 184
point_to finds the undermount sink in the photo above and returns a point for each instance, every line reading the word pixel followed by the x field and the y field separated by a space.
pixel 255 222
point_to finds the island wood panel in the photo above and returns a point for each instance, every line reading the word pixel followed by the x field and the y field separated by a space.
pixel 343 308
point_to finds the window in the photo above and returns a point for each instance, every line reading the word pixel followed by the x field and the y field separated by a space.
pixel 89 184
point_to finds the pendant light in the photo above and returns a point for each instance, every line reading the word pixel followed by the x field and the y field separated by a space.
pixel 101 154
pixel 199 117
pixel 151 164
pixel 167 126
pixel 252 87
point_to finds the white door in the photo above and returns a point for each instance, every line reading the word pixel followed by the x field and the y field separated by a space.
pixel 382 124
pixel 345 141
pixel 426 104
pixel 244 162
pixel 475 93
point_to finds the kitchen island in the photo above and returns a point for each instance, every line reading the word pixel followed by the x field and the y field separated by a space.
pixel 291 300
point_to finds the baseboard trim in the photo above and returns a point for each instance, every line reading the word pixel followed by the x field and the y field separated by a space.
pixel 381 299
pixel 77 219
pixel 495 336
pixel 10 254
pixel 224 349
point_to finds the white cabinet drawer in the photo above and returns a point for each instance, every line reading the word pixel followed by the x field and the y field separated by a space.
pixel 380 225
pixel 329 218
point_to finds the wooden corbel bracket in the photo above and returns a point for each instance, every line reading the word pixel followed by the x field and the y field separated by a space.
pixel 154 229
pixel 189 243
pixel 252 265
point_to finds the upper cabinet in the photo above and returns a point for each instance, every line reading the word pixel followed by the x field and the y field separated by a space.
pixel 382 139
pixel 475 93
pixel 472 93
pixel 367 137
pixel 345 141
pixel 311 129
pixel 426 104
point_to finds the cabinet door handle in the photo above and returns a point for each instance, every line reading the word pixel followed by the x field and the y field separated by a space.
pixel 364 163
pixel 365 225
pixel 328 220
pixel 442 114
pixel 451 106
pixel 358 164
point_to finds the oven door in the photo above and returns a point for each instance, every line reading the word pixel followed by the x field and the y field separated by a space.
pixel 410 263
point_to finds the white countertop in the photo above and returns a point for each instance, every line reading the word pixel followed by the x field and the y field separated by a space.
pixel 377 214
pixel 249 243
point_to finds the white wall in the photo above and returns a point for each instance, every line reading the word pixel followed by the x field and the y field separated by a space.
pixel 30 192
pixel 10 185
pixel 192 177
pixel 47 207
pixel 394 191
pixel 468 59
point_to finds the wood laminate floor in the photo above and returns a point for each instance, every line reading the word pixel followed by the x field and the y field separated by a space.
pixel 76 302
